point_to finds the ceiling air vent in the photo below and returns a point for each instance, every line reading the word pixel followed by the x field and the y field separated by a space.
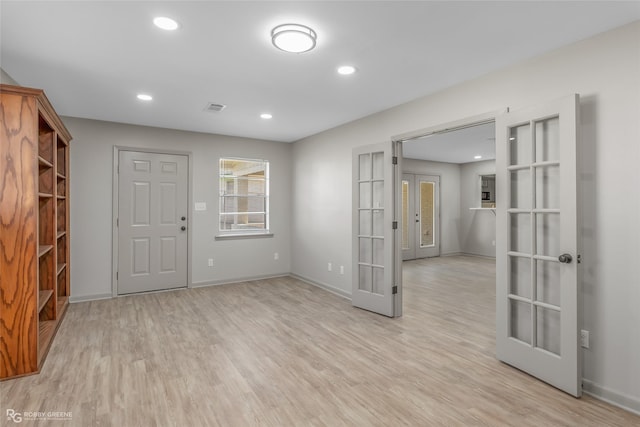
pixel 214 108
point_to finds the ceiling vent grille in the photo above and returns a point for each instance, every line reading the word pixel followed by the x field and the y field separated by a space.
pixel 214 108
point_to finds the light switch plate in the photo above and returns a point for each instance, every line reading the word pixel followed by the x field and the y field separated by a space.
pixel 201 206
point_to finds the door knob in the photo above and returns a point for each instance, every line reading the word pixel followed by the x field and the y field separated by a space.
pixel 183 228
pixel 565 258
pixel 183 218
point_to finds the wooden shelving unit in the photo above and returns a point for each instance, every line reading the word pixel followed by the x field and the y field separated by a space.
pixel 34 255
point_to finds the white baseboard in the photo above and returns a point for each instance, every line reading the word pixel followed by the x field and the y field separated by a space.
pixel 629 403
pixel 324 286
pixel 86 298
pixel 235 280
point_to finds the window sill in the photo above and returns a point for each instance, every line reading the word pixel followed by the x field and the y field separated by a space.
pixel 243 236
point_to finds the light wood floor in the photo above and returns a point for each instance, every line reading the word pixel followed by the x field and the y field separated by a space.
pixel 280 352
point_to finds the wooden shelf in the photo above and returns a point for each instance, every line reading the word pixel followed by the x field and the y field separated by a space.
pixel 43 162
pixel 43 249
pixel 43 298
pixel 40 291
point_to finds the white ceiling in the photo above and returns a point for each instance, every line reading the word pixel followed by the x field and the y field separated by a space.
pixel 457 146
pixel 92 58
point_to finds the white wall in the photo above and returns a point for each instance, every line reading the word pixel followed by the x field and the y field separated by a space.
pixel 477 228
pixel 449 199
pixel 605 71
pixel 91 170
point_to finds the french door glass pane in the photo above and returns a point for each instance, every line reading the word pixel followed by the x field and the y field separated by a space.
pixel 365 223
pixel 520 233
pixel 378 165
pixel 378 223
pixel 548 234
pixel 378 281
pixel 365 167
pixel 548 187
pixel 365 194
pixel 520 145
pixel 365 250
pixel 520 323
pixel 548 282
pixel 427 208
pixel 520 276
pixel 521 189
pixel 548 330
pixel 405 215
pixel 547 140
pixel 378 194
pixel 365 278
pixel 378 251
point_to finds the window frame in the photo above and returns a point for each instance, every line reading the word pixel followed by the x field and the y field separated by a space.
pixel 248 232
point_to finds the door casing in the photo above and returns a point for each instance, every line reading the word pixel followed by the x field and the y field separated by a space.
pixel 115 201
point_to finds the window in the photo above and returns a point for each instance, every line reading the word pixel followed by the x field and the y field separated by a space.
pixel 244 196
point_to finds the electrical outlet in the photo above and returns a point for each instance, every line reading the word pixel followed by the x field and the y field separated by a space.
pixel 210 262
pixel 584 338
pixel 329 267
pixel 342 269
pixel 276 256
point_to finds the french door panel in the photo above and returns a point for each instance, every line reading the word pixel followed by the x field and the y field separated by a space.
pixel 374 237
pixel 537 243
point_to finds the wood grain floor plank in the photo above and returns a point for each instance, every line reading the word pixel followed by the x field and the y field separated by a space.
pixel 280 352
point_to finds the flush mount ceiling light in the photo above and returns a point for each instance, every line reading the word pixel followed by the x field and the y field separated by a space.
pixel 345 70
pixel 165 23
pixel 144 97
pixel 477 157
pixel 293 38
pixel 266 116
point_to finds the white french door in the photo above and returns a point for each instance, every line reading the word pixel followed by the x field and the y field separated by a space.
pixel 537 243
pixel 420 216
pixel 376 274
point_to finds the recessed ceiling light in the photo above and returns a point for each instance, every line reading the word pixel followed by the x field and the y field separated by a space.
pixel 345 70
pixel 144 97
pixel 266 116
pixel 512 139
pixel 165 23
pixel 293 38
pixel 477 157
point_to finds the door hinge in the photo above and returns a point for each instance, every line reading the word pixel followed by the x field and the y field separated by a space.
pixel 394 160
pixel 117 274
pixel 579 259
pixel 394 225
pixel 394 290
pixel 117 222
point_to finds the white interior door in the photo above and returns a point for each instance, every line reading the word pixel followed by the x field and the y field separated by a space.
pixel 537 245
pixel 152 221
pixel 375 277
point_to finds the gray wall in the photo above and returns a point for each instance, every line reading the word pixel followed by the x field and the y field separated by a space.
pixel 449 199
pixel 91 170
pixel 477 228
pixel 605 71
pixel 6 78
